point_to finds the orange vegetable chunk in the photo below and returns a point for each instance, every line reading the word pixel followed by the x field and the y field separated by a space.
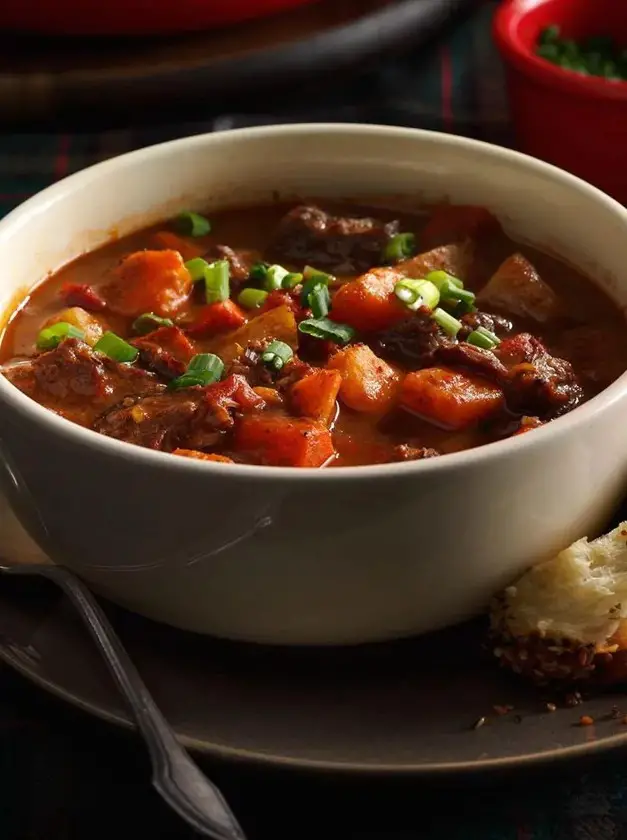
pixel 368 303
pixel 368 383
pixel 217 318
pixel 315 394
pixel 278 441
pixel 149 281
pixel 204 456
pixel 448 398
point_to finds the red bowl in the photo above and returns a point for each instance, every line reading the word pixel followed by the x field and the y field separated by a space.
pixel 132 17
pixel 576 122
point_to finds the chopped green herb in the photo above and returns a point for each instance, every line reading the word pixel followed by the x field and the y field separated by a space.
pixel 203 369
pixel 416 294
pixel 51 336
pixel 277 354
pixel 148 322
pixel 116 348
pixel 252 298
pixel 400 247
pixel 192 224
pixel 217 286
pixel 326 329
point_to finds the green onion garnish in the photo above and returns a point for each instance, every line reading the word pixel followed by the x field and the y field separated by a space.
pixel 217 287
pixel 197 268
pixel 258 271
pixel 312 278
pixel 192 224
pixel 440 278
pixel 327 330
pixel 292 279
pixel 400 247
pixel 203 369
pixel 450 325
pixel 252 298
pixel 319 300
pixel 277 354
pixel 49 337
pixel 483 338
pixel 417 293
pixel 275 275
pixel 148 322
pixel 116 348
pixel 311 273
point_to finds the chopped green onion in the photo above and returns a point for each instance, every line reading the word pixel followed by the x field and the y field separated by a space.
pixel 327 330
pixel 252 298
pixel 319 300
pixel 311 273
pixel 49 337
pixel 417 293
pixel 116 348
pixel 450 325
pixel 277 354
pixel 483 338
pixel 217 286
pixel 274 277
pixel 148 322
pixel 258 271
pixel 197 268
pixel 440 278
pixel 203 369
pixel 400 247
pixel 312 278
pixel 192 224
pixel 292 279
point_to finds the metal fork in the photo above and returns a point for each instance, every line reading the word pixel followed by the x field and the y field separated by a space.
pixel 175 776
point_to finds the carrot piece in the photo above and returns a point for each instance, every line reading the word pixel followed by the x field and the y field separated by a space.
pixel 452 223
pixel 315 394
pixel 171 339
pixel 280 441
pixel 217 318
pixel 269 395
pixel 448 398
pixel 171 242
pixel 203 456
pixel 368 303
pixel 368 383
pixel 149 281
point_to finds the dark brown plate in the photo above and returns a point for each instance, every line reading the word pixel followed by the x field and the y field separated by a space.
pixel 404 708
pixel 150 79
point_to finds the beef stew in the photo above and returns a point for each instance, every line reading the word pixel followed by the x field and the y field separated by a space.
pixel 323 334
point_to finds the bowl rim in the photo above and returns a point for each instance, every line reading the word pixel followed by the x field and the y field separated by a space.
pixel 506 31
pixel 58 426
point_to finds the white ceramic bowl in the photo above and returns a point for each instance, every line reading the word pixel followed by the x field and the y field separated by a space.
pixel 303 556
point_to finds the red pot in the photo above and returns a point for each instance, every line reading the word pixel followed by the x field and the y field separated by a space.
pixel 132 17
pixel 576 122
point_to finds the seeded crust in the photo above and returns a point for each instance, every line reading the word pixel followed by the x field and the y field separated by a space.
pixel 572 592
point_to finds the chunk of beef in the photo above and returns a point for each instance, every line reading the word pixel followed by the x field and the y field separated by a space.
pixel 516 288
pixel 537 383
pixel 414 453
pixel 77 383
pixel 166 351
pixel 240 261
pixel 497 324
pixel 412 343
pixel 341 244
pixel 190 418
pixel 455 259
pixel 471 358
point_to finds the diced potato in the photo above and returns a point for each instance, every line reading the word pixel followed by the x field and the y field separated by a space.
pixel 279 441
pixel 454 259
pixel 278 323
pixel 82 320
pixel 368 383
pixel 453 223
pixel 368 303
pixel 203 456
pixel 448 398
pixel 315 394
pixel 517 289
pixel 149 281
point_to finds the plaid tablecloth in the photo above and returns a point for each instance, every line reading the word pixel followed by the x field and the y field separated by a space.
pixel 64 776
